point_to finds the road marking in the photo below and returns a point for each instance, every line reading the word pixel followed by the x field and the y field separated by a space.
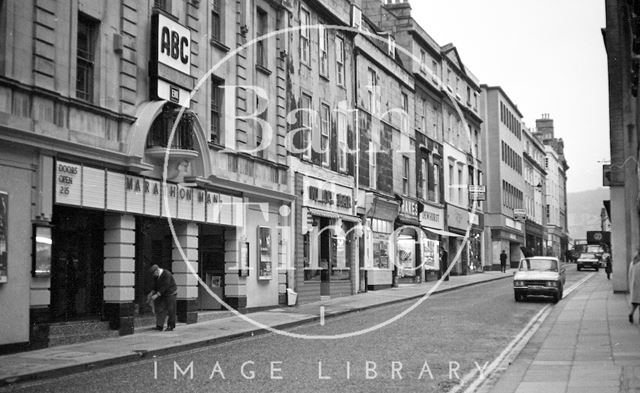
pixel 321 315
pixel 512 350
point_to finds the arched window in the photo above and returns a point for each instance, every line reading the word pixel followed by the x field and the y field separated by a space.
pixel 163 124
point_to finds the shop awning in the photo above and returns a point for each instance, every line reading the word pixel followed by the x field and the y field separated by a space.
pixel 328 214
pixel 442 233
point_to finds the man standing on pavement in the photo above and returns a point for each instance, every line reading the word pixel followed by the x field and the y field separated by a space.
pixel 444 263
pixel 503 262
pixel 634 284
pixel 164 292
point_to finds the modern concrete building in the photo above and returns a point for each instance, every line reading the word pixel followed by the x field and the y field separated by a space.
pixel 502 131
pixel 620 39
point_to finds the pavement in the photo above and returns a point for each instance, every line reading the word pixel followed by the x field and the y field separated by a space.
pixel 67 359
pixel 585 345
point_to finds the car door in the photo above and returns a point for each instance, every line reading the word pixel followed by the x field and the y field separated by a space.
pixel 563 273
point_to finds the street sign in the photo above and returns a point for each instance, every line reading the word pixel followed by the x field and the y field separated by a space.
pixel 519 214
pixel 477 193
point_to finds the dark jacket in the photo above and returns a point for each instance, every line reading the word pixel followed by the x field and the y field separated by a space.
pixel 165 284
pixel 503 258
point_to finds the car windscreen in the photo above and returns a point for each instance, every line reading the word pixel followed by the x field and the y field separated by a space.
pixel 539 264
pixel 594 249
pixel 587 255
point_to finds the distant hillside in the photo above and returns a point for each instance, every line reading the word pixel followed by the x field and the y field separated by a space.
pixel 584 211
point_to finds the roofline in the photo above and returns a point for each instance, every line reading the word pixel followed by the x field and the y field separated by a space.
pixel 499 88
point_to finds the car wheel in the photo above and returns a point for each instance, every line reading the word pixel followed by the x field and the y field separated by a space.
pixel 556 297
pixel 516 297
pixel 597 269
pixel 579 267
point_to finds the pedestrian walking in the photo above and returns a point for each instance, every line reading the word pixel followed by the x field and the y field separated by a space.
pixel 608 267
pixel 444 263
pixel 164 294
pixel 503 261
pixel 634 284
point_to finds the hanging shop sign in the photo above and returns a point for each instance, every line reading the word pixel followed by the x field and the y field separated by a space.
pixel 170 65
pixel 477 193
pixel 4 234
pixel 327 196
pixel 83 186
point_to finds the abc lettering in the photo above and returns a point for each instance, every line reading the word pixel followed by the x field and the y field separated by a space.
pixel 174 46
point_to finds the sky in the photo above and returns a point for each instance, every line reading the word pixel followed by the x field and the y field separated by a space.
pixel 548 56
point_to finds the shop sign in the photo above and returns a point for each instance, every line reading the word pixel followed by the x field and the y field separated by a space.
pixel 4 234
pixel 170 64
pixel 173 44
pixel 477 193
pixel 519 214
pixel 457 217
pixel 432 217
pixel 135 194
pixel 408 208
pixel 327 196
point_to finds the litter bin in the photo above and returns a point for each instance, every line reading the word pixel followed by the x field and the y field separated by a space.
pixel 292 297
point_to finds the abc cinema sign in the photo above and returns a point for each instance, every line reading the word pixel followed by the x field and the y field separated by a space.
pixel 174 42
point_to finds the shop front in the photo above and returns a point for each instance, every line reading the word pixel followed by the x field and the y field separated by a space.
pixel 380 215
pixel 109 227
pixel 432 222
pixel 329 240
pixel 407 237
pixel 458 223
pixel 507 239
pixel 535 238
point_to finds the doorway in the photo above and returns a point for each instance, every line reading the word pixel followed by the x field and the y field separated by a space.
pixel 77 271
pixel 154 245
pixel 211 266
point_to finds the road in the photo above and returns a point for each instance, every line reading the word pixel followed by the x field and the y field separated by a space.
pixel 428 351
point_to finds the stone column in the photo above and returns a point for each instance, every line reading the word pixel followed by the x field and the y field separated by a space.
pixel 187 236
pixel 235 287
pixel 119 271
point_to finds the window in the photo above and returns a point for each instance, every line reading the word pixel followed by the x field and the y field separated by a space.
pixel 451 182
pixel 405 175
pixel 261 46
pixel 306 125
pixel 216 21
pixel 460 182
pixel 85 57
pixel 340 61
pixel 164 5
pixel 424 174
pixel 304 36
pixel 423 60
pixel 324 129
pixel 436 183
pixel 373 162
pixel 342 141
pixel 323 59
pixel 216 109
pixel 404 123
pixel 264 115
pixel 434 67
pixel 425 119
pixel 373 91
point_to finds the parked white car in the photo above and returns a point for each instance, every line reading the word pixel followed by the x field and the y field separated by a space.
pixel 539 276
